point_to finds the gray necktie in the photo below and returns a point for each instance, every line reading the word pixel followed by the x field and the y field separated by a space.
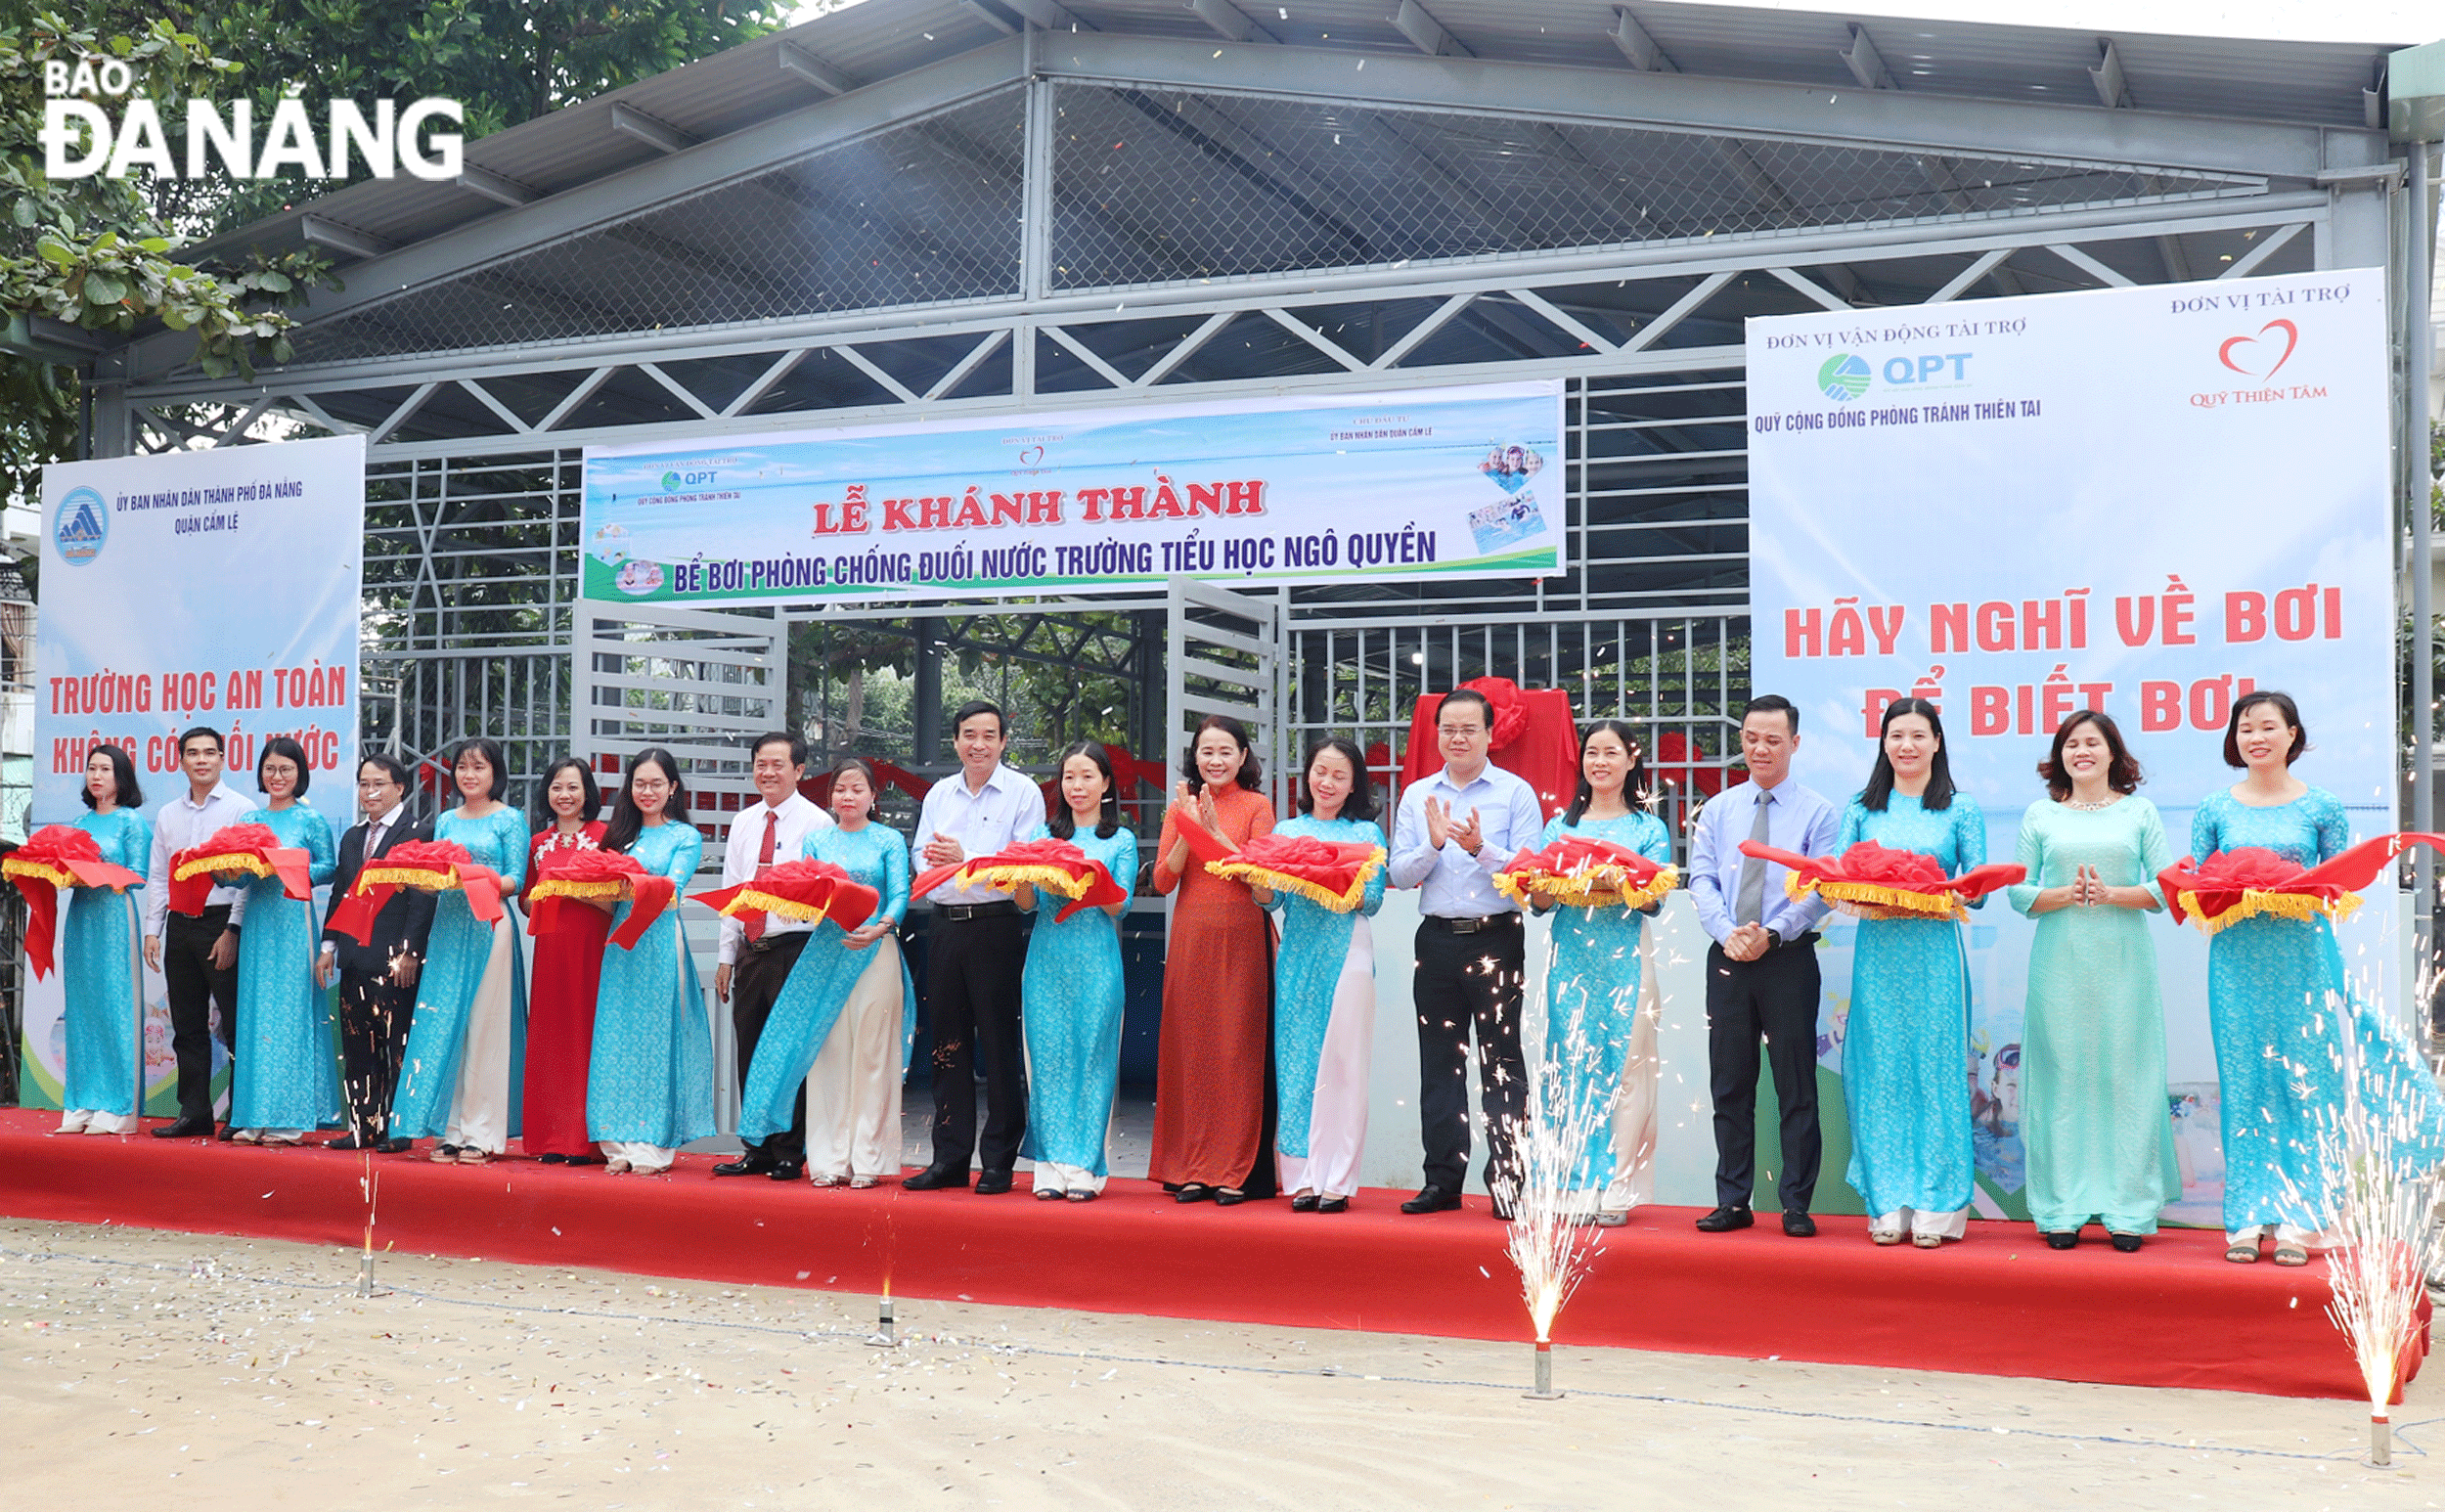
pixel 1749 907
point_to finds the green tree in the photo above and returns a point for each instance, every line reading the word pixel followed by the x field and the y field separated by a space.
pixel 102 254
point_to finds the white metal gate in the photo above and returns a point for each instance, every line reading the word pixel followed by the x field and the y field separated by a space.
pixel 1224 656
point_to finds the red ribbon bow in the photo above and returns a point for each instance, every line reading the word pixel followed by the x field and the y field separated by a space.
pixel 2234 885
pixel 1333 873
pixel 434 865
pixel 565 877
pixel 1577 869
pixel 253 849
pixel 803 891
pixel 1054 863
pixel 1905 881
pixel 54 857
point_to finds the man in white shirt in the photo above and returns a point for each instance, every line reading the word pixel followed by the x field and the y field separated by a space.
pixel 1456 830
pixel 198 957
pixel 975 947
pixel 756 954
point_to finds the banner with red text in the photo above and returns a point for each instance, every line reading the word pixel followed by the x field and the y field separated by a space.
pixel 2147 501
pixel 215 588
pixel 1444 482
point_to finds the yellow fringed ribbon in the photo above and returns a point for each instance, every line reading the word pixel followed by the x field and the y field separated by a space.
pixel 1885 902
pixel 203 866
pixel 39 871
pixel 1056 878
pixel 748 899
pixel 424 877
pixel 2254 903
pixel 555 887
pixel 1316 893
pixel 1598 887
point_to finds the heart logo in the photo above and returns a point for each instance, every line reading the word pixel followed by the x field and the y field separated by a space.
pixel 2242 354
pixel 1031 457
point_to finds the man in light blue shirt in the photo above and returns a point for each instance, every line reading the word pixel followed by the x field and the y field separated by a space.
pixel 1762 971
pixel 1456 830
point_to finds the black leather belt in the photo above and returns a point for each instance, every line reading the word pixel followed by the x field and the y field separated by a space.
pixel 958 912
pixel 1469 926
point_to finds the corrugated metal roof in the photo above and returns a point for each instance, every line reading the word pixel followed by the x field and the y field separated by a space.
pixel 2317 84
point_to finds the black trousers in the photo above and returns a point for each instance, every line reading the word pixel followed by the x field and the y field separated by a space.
pixel 1774 997
pixel 756 981
pixel 195 989
pixel 972 971
pixel 373 1016
pixel 1468 981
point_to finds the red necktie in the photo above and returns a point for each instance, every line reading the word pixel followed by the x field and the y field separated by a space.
pixel 764 859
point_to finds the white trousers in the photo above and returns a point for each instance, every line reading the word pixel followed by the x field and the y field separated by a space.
pixel 648 1158
pixel 853 1089
pixel 1336 1120
pixel 1944 1226
pixel 479 1108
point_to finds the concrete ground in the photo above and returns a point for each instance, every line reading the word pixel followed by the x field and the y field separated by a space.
pixel 145 1369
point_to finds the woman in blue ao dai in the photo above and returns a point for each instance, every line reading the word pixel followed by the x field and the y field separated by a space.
pixel 1598 1069
pixel 649 1088
pixel 462 1073
pixel 2280 1005
pixel 838 1027
pixel 285 1081
pixel 1905 1056
pixel 1324 994
pixel 1072 990
pixel 100 969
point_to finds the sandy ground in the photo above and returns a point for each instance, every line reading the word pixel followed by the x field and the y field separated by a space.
pixel 141 1369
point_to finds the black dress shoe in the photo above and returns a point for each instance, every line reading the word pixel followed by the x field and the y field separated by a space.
pixel 1502 1211
pixel 1306 1203
pixel 1333 1205
pixel 2064 1239
pixel 573 1160
pixel 1799 1226
pixel 992 1183
pixel 936 1177
pixel 394 1146
pixel 1193 1192
pixel 554 1158
pixel 348 1142
pixel 185 1129
pixel 228 1133
pixel 1431 1199
pixel 1725 1219
pixel 751 1163
pixel 786 1171
pixel 1228 1197
pixel 2127 1243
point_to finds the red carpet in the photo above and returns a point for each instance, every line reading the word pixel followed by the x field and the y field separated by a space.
pixel 1999 1304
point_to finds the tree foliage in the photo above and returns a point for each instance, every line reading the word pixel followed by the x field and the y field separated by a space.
pixel 104 254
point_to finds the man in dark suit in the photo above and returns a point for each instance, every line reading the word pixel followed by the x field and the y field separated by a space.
pixel 376 981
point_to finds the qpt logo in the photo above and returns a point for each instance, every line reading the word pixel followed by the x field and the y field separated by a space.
pixel 673 482
pixel 1843 376
pixel 84 524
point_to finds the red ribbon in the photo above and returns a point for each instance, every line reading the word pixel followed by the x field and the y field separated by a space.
pixel 1902 870
pixel 71 850
pixel 1574 852
pixel 354 914
pixel 2220 882
pixel 1102 890
pixel 1332 864
pixel 289 863
pixel 648 893
pixel 814 884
